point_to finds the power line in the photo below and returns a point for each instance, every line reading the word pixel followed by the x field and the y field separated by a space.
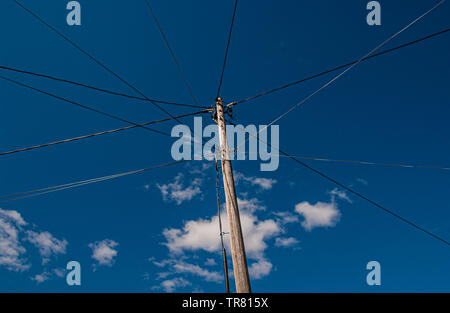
pixel 227 48
pixel 94 59
pixel 340 67
pixel 114 93
pixel 46 190
pixel 81 105
pixel 41 190
pixel 375 163
pixel 97 134
pixel 171 52
pixel 363 162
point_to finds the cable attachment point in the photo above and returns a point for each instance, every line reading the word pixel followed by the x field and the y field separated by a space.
pixel 228 110
pixel 214 116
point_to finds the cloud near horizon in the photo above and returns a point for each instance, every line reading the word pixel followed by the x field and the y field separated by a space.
pixel 13 235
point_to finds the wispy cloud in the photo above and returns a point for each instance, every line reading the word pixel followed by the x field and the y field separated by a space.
pixel 263 183
pixel 176 191
pixel 40 278
pixel 177 266
pixel 340 194
pixel 286 217
pixel 286 242
pixel 250 205
pixel 11 250
pixel 183 267
pixel 47 244
pixel 210 262
pixel 362 181
pixel 170 285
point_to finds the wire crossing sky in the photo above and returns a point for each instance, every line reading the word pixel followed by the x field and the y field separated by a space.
pixel 395 106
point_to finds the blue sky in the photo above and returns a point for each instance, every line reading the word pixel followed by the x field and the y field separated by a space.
pixel 393 108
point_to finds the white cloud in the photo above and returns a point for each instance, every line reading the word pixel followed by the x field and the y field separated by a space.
pixel 260 269
pixel 203 234
pixel 171 284
pixel 183 267
pixel 103 251
pixel 200 170
pixel 59 272
pixel 250 205
pixel 319 215
pixel 177 192
pixel 195 235
pixel 13 216
pixel 263 183
pixel 11 250
pixel 286 217
pixel 159 264
pixel 175 266
pixel 47 244
pixel 285 242
pixel 256 233
pixel 163 275
pixel 210 262
pixel 339 194
pixel 362 181
pixel 40 278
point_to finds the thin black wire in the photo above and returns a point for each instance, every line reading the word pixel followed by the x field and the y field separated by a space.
pixel 82 105
pixel 115 93
pixel 172 53
pixel 95 60
pixel 227 48
pixel 416 166
pixel 96 134
pixel 340 67
pixel 46 190
pixel 78 183
pixel 376 163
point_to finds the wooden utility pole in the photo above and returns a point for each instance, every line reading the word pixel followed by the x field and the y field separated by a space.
pixel 239 258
